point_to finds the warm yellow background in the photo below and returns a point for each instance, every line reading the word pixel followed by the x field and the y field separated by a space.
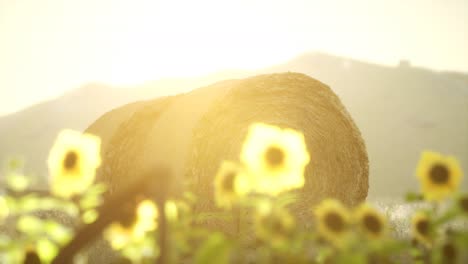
pixel 49 46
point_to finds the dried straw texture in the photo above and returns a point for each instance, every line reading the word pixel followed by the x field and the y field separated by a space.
pixel 192 133
pixel 123 133
pixel 122 157
pixel 339 162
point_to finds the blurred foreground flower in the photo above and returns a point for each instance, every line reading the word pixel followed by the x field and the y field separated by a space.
pixel 421 228
pixel 4 210
pixel 275 158
pixel 333 221
pixel 72 162
pixel 121 234
pixel 370 221
pixel 274 225
pixel 439 175
pixel 17 182
pixel 231 183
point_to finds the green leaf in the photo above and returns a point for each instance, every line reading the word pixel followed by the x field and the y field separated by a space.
pixel 58 232
pixel 12 204
pixel 13 255
pixel 30 225
pixel 17 182
pixel 287 199
pixel 446 217
pixel 90 201
pixel 413 197
pixel 4 210
pixel 29 203
pixel 171 210
pixel 190 197
pixel 49 203
pixel 15 164
pixel 98 188
pixel 89 216
pixel 4 241
pixel 204 216
pixel 351 258
pixel 323 254
pixel 216 249
pixel 46 250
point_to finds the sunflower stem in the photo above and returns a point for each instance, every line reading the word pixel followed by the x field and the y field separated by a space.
pixel 159 188
pixel 237 218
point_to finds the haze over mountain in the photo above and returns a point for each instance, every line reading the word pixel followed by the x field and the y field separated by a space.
pixel 399 110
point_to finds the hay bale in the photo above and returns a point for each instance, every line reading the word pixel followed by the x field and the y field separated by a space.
pixel 124 133
pixel 194 132
pixel 339 163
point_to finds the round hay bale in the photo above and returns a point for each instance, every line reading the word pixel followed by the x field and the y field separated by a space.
pixel 339 162
pixel 192 133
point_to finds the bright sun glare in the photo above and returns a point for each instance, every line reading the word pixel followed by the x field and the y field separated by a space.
pixel 144 40
pixel 50 46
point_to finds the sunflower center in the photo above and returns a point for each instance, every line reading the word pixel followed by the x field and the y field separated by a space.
pixel 449 251
pixel 334 222
pixel 278 226
pixel 464 204
pixel 439 174
pixel 372 224
pixel 228 182
pixel 274 156
pixel 423 227
pixel 70 160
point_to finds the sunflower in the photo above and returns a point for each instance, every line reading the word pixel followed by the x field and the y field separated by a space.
pixel 72 162
pixel 275 158
pixel 274 225
pixel 421 228
pixel 133 230
pixel 439 175
pixel 370 221
pixel 333 221
pixel 231 183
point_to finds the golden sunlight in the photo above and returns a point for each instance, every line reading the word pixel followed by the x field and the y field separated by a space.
pixel 51 46
pixel 145 40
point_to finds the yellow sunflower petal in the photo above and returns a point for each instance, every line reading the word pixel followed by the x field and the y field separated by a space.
pixel 439 175
pixel 275 158
pixel 421 228
pixel 231 183
pixel 333 220
pixel 371 222
pixel 120 236
pixel 72 162
pixel 147 214
pixel 117 236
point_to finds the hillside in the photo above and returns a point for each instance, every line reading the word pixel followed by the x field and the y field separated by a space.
pixel 399 110
pixel 28 134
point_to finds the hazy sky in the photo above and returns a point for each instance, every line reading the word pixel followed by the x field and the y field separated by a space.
pixel 50 46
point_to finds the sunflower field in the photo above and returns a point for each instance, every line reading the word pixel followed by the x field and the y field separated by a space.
pixel 254 196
